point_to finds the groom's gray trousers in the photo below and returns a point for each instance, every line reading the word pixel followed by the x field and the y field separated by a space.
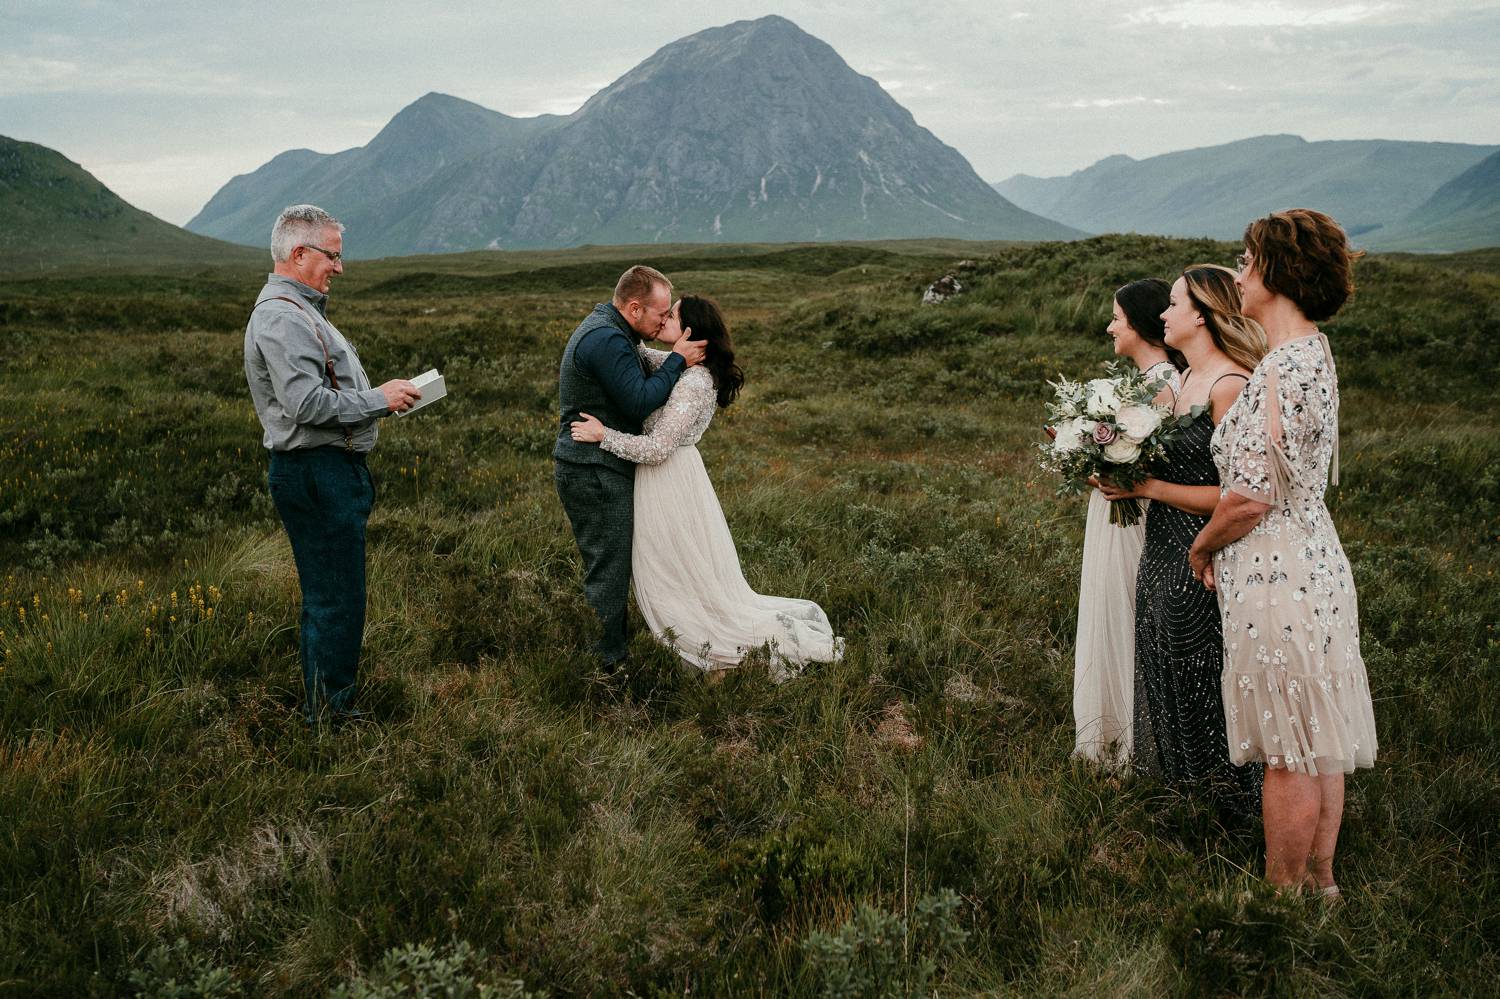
pixel 601 374
pixel 600 504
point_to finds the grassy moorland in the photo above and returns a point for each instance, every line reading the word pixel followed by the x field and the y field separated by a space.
pixel 905 821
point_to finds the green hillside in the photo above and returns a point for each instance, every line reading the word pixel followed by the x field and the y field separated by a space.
pixel 1463 214
pixel 905 822
pixel 55 214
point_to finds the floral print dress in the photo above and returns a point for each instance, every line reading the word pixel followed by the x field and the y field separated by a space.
pixel 1294 686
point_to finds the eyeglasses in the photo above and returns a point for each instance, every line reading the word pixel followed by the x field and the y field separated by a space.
pixel 1242 261
pixel 333 255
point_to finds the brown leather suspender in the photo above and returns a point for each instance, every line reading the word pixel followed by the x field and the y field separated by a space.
pixel 333 379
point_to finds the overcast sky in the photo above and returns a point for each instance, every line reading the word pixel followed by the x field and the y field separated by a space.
pixel 165 101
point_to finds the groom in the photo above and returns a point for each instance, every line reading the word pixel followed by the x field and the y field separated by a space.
pixel 602 374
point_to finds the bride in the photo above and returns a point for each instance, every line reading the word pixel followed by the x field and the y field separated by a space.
pixel 1104 679
pixel 684 567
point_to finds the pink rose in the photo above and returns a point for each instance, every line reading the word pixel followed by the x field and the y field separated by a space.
pixel 1104 433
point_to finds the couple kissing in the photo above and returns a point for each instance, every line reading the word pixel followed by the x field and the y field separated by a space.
pixel 638 497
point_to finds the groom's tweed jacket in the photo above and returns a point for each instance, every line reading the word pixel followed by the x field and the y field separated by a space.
pixel 602 375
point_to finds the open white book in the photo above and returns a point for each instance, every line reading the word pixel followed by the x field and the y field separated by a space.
pixel 432 387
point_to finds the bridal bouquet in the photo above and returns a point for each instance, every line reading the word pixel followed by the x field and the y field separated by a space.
pixel 1108 427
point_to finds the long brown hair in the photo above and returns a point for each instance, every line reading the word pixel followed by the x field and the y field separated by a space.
pixel 1217 299
pixel 702 317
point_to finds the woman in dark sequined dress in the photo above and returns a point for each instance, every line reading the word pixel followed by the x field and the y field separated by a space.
pixel 1179 638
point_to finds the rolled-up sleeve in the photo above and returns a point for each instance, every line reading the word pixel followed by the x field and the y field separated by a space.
pixel 294 366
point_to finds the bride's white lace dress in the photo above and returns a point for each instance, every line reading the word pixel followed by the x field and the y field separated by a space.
pixel 1104 679
pixel 684 566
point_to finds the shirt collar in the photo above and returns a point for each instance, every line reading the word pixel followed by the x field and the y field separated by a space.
pixel 617 319
pixel 311 295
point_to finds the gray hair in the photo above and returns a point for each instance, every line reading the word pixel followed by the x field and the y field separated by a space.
pixel 299 225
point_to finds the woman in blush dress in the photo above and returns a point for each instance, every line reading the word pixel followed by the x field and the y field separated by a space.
pixel 1294 685
pixel 1179 647
pixel 685 570
pixel 1104 651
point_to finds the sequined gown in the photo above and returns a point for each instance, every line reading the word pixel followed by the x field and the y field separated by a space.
pixel 1294 686
pixel 685 570
pixel 1179 645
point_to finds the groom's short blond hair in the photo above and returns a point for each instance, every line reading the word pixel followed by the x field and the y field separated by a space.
pixel 637 283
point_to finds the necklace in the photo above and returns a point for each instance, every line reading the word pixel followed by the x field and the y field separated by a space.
pixel 1208 401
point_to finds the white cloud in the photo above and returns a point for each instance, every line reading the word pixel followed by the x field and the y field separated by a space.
pixel 1219 14
pixel 34 75
pixel 538 103
pixel 22 75
pixel 172 186
pixel 1046 93
pixel 1112 102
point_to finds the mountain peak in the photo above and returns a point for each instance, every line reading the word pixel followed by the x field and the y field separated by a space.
pixel 440 121
pixel 726 44
pixel 750 131
pixel 434 102
pixel 771 26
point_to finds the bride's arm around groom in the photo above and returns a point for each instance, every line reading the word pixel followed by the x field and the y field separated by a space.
pixel 602 374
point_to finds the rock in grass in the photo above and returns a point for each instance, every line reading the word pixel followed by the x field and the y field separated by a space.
pixel 941 290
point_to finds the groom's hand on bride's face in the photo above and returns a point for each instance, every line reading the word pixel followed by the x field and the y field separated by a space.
pixel 692 351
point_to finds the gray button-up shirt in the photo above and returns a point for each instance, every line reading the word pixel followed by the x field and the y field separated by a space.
pixel 284 366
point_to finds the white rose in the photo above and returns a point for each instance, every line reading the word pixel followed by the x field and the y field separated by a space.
pixel 1138 422
pixel 1070 434
pixel 1123 451
pixel 1100 397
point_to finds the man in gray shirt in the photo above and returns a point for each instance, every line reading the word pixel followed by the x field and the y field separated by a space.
pixel 320 415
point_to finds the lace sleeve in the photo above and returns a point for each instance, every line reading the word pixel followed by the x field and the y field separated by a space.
pixel 1294 425
pixel 691 400
pixel 652 357
pixel 1274 426
pixel 1249 464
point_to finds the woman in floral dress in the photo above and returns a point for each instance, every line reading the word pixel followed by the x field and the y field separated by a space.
pixel 1294 687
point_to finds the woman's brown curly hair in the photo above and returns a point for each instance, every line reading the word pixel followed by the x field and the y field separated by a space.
pixel 1304 255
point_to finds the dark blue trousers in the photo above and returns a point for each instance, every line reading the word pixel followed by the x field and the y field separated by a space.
pixel 324 496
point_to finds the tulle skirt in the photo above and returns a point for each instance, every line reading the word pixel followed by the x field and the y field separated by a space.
pixel 689 587
pixel 1104 656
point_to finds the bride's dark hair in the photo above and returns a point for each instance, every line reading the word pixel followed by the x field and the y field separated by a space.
pixel 703 318
pixel 1143 302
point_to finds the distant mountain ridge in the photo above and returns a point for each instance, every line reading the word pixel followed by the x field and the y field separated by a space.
pixel 54 212
pixel 750 132
pixel 1463 214
pixel 1367 185
pixel 431 134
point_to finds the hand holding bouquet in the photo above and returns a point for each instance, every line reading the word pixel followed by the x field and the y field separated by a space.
pixel 1111 428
